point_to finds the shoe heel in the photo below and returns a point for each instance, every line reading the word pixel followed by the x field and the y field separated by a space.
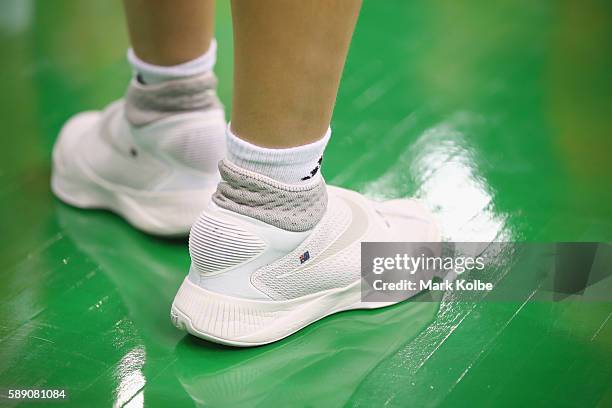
pixel 75 193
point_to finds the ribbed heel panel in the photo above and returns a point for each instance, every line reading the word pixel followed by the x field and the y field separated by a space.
pixel 216 245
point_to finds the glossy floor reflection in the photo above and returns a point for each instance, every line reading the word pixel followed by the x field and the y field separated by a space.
pixel 496 114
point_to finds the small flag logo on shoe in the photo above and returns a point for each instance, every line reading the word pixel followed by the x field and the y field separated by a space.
pixel 304 257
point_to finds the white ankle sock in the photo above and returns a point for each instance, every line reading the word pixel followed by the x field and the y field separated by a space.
pixel 153 74
pixel 295 165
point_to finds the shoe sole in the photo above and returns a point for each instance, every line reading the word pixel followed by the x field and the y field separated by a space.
pixel 156 213
pixel 245 323
pixel 242 322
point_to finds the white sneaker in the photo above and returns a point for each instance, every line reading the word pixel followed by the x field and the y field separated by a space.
pixel 251 283
pixel 158 176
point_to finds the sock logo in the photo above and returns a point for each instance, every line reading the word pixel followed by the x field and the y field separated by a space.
pixel 304 257
pixel 314 171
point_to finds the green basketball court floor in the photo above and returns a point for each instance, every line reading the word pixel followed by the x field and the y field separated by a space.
pixel 496 114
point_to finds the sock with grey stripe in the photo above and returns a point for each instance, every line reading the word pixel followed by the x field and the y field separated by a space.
pixel 157 92
pixel 281 187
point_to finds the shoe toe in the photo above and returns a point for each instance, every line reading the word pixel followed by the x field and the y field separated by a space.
pixel 408 220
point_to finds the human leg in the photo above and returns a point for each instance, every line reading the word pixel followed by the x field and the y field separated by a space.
pixel 151 156
pixel 278 249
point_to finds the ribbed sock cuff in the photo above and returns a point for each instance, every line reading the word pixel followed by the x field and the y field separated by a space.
pixel 152 74
pixel 292 207
pixel 145 104
pixel 295 165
